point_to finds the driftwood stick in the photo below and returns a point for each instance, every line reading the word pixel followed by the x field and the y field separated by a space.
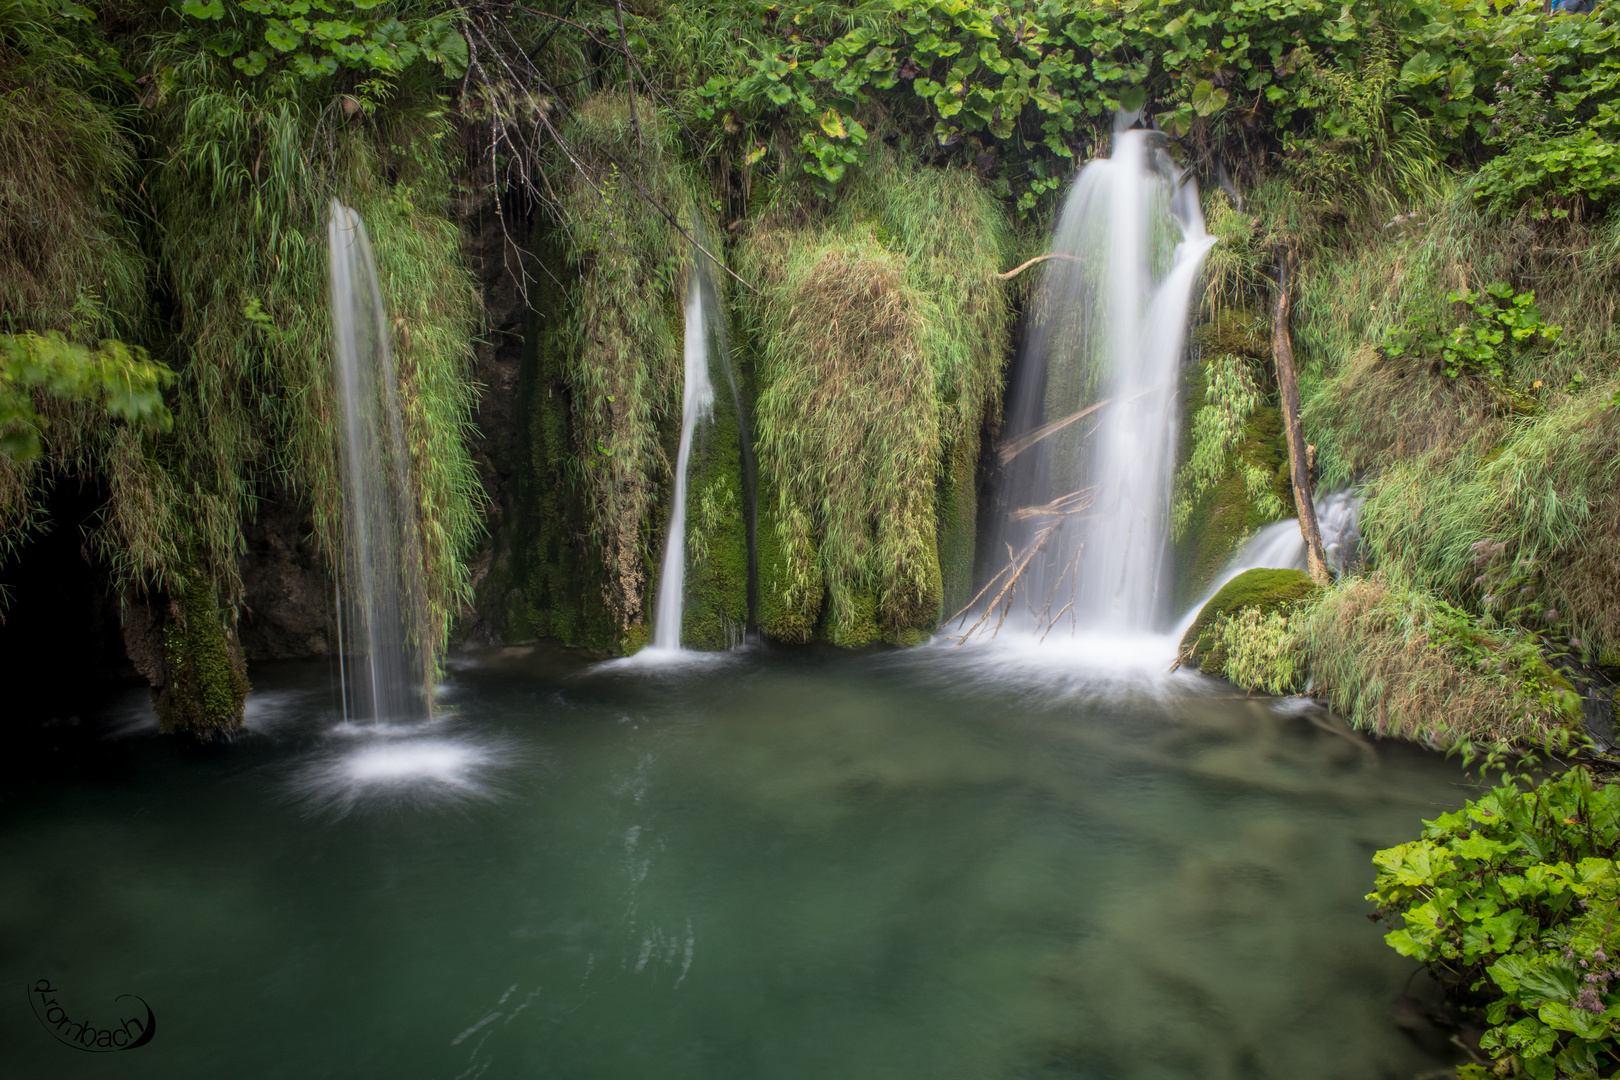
pixel 1298 457
pixel 1009 450
pixel 1021 267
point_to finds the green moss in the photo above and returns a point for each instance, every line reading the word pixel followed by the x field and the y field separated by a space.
pixel 1265 591
pixel 1235 331
pixel 957 508
pixel 860 630
pixel 1225 515
pixel 207 681
pixel 790 602
pixel 551 585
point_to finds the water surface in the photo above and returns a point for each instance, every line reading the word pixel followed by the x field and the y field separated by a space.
pixel 977 863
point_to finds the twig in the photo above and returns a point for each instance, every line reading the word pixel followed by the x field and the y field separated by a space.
pixel 1009 450
pixel 1021 267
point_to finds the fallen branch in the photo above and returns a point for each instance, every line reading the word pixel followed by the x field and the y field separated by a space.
pixel 1009 450
pixel 1021 267
pixel 1282 350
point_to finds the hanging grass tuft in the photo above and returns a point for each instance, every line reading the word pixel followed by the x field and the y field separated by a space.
pixel 880 332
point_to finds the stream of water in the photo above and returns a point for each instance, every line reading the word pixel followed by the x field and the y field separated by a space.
pixel 380 608
pixel 697 403
pixel 985 862
pixel 1085 503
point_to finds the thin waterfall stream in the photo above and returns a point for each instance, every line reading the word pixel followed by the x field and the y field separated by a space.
pixel 383 666
pixel 697 405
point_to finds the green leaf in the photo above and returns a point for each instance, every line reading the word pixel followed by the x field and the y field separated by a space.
pixel 203 9
pixel 252 64
pixel 1206 98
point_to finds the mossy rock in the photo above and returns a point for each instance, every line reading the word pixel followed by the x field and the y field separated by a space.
pixel 862 628
pixel 1235 331
pixel 207 685
pixel 1265 590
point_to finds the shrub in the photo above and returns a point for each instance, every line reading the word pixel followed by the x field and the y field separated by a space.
pixel 1511 902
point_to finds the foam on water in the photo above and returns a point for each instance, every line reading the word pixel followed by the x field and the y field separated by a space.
pixel 390 765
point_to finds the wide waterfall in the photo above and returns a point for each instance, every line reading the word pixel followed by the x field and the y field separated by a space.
pixel 697 405
pixel 1092 414
pixel 380 606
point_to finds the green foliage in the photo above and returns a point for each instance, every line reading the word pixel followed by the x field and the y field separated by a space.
pixel 1366 98
pixel 1552 175
pixel 124 382
pixel 880 335
pixel 1495 326
pixel 313 38
pixel 1512 902
pixel 1264 591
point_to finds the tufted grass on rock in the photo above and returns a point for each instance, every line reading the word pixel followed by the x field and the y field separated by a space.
pixel 879 334
pixel 1397 662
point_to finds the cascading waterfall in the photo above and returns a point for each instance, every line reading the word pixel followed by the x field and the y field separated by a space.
pixel 1281 546
pixel 697 405
pixel 1093 409
pixel 380 605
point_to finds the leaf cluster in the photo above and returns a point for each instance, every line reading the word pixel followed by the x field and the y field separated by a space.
pixel 1493 327
pixel 124 381
pixel 1512 901
pixel 313 38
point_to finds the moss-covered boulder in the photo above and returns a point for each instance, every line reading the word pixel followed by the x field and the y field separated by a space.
pixel 877 337
pixel 1265 591
pixel 205 684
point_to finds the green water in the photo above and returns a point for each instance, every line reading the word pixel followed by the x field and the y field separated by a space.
pixel 770 866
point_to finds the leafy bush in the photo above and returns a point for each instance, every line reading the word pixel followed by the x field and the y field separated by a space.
pixel 317 36
pixel 124 381
pixel 1512 903
pixel 1496 325
pixel 1563 171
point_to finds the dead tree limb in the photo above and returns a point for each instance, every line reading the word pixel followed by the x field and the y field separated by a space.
pixel 1009 450
pixel 1298 459
pixel 1021 267
pixel 629 68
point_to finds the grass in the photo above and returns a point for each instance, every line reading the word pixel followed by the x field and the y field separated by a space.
pixel 880 335
pixel 1396 662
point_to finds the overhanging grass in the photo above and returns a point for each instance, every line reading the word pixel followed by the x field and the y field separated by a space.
pixel 881 332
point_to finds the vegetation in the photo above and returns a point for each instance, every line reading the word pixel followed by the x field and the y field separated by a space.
pixel 880 329
pixel 861 174
pixel 1513 903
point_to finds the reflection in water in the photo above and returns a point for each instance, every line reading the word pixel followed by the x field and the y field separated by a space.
pixel 941 863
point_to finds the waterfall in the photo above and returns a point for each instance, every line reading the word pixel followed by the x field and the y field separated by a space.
pixel 1281 546
pixel 697 404
pixel 381 617
pixel 1092 412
